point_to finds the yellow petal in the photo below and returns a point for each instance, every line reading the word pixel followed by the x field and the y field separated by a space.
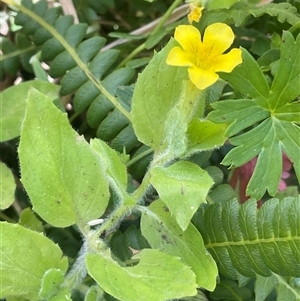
pixel 195 14
pixel 202 78
pixel 227 62
pixel 217 38
pixel 188 37
pixel 177 57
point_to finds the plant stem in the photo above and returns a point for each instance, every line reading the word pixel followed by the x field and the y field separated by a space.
pixel 73 54
pixel 17 53
pixel 156 29
pixel 166 16
pixel 132 55
pixel 140 156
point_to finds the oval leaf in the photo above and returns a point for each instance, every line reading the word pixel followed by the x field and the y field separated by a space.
pixel 182 187
pixel 162 232
pixel 60 172
pixel 22 271
pixel 157 277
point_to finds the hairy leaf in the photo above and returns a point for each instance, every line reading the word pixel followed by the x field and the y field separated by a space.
pixel 21 272
pixel 182 187
pixel 162 232
pixel 7 187
pixel 157 90
pixel 67 185
pixel 157 276
pixel 13 105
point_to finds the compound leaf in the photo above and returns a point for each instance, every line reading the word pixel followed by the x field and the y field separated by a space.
pixel 267 125
pixel 243 239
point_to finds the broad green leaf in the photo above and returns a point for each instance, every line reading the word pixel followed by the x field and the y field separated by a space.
pixel 29 220
pixel 217 4
pixel 157 90
pixel 61 174
pixel 182 187
pixel 7 187
pixel 13 106
pixel 286 287
pixel 25 256
pixel 190 103
pixel 157 276
pixel 162 232
pixel 206 135
pixel 263 286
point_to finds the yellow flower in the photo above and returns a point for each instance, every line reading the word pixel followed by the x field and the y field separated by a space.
pixel 195 13
pixel 205 58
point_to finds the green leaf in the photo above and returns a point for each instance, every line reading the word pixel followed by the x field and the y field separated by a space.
pixel 7 187
pixel 286 290
pixel 29 220
pixel 243 239
pixel 95 293
pixel 229 290
pixel 182 187
pixel 157 90
pixel 50 286
pixel 21 272
pixel 157 276
pixel 266 125
pixel 285 87
pixel 264 286
pixel 13 105
pixel 206 135
pixel 67 185
pixel 249 79
pixel 111 163
pixel 162 232
pixel 285 12
pixel 217 4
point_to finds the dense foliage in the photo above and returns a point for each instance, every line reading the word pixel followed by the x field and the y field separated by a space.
pixel 150 150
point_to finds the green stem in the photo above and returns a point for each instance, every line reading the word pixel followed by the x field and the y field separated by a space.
pixel 140 156
pixel 73 54
pixel 132 55
pixel 166 16
pixel 17 53
pixel 114 219
pixel 156 29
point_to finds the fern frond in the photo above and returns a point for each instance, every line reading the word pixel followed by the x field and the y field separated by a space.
pixel 60 42
pixel 85 70
pixel 251 241
pixel 16 53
